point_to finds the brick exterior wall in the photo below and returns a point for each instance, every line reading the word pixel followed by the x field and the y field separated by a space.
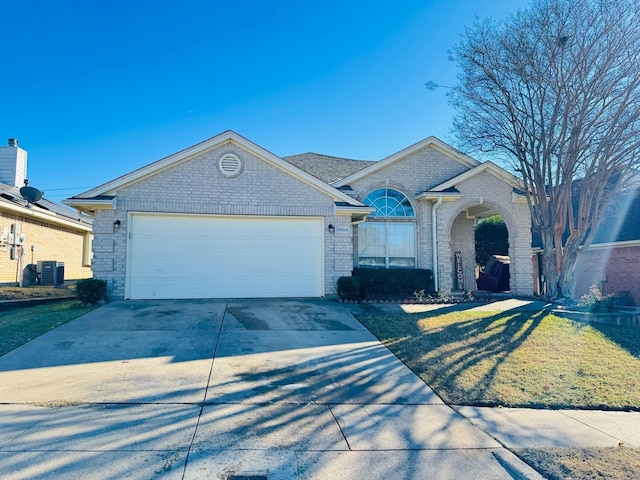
pixel 612 269
pixel 51 242
pixel 428 168
pixel 197 187
pixel 413 175
pixel 463 240
pixel 486 189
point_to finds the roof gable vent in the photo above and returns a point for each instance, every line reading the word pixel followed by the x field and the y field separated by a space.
pixel 230 165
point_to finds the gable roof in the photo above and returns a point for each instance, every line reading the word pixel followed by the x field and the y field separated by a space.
pixel 432 141
pixel 325 167
pixel 620 223
pixel 109 189
pixel 489 167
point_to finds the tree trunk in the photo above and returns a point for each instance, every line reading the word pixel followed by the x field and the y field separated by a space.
pixel 550 276
pixel 567 278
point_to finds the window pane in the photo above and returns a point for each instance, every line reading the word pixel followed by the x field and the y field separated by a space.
pixel 379 241
pixel 401 238
pixel 377 262
pixel 402 262
pixel 389 203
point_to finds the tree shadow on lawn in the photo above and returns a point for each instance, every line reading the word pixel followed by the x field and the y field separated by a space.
pixel 626 337
pixel 459 359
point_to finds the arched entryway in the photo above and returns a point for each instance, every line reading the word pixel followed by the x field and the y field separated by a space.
pixel 458 258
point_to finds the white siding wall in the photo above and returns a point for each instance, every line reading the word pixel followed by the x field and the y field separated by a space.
pixel 13 166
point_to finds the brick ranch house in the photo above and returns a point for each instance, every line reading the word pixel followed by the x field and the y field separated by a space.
pixel 226 218
pixel 41 231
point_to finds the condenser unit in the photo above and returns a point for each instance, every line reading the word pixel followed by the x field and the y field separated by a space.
pixel 51 272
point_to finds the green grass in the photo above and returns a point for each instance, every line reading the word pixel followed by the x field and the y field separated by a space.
pixel 583 463
pixel 20 325
pixel 524 358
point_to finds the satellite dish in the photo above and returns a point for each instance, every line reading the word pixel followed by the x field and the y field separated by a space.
pixel 30 194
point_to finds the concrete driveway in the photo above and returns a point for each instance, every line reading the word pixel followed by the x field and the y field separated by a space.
pixel 273 389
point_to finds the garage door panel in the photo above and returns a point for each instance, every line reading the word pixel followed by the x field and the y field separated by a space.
pixel 173 256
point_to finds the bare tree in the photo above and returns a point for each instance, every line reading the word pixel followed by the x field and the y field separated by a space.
pixel 554 90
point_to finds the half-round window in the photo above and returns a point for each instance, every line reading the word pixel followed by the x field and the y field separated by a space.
pixel 389 203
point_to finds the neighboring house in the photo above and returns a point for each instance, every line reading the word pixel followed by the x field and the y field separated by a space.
pixel 612 262
pixel 40 231
pixel 226 218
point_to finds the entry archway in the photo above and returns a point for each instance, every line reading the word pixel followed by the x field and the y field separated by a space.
pixel 458 255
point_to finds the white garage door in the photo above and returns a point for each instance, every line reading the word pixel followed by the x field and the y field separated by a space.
pixel 198 256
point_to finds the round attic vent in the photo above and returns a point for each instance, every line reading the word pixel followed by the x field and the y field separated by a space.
pixel 230 165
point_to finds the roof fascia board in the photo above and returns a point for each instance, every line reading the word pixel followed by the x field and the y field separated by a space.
pixel 489 167
pixel 601 246
pixel 90 204
pixel 621 244
pixel 431 141
pixel 48 217
pixel 112 187
pixel 445 196
pixel 344 210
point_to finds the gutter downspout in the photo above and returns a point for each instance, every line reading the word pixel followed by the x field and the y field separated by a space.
pixel 434 238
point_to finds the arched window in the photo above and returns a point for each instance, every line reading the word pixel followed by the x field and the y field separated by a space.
pixel 388 238
pixel 389 203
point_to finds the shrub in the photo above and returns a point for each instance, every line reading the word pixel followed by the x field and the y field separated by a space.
pixel 349 288
pixel 624 299
pixel 91 291
pixel 492 238
pixel 595 301
pixel 396 284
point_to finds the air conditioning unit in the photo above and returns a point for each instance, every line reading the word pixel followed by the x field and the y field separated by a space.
pixel 50 272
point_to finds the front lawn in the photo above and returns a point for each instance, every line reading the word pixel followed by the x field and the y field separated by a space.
pixel 583 463
pixel 520 359
pixel 20 325
pixel 526 359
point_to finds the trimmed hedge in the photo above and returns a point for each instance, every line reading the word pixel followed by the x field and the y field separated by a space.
pixel 91 291
pixel 349 288
pixel 387 284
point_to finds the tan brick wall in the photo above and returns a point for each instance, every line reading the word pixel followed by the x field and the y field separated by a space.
pixel 428 168
pixel 197 187
pixel 486 189
pixel 51 242
pixel 463 237
pixel 413 175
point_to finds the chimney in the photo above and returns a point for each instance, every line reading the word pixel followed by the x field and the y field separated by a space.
pixel 13 164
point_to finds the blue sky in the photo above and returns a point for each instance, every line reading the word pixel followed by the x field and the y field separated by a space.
pixel 93 90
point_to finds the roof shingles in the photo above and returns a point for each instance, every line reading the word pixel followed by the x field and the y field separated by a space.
pixel 327 168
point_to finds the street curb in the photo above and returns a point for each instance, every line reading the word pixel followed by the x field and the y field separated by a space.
pixel 515 466
pixel 11 304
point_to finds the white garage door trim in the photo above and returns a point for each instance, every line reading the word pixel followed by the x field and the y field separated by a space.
pixel 214 256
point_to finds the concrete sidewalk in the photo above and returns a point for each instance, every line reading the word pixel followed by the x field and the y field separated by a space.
pixel 277 389
pixel 529 428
